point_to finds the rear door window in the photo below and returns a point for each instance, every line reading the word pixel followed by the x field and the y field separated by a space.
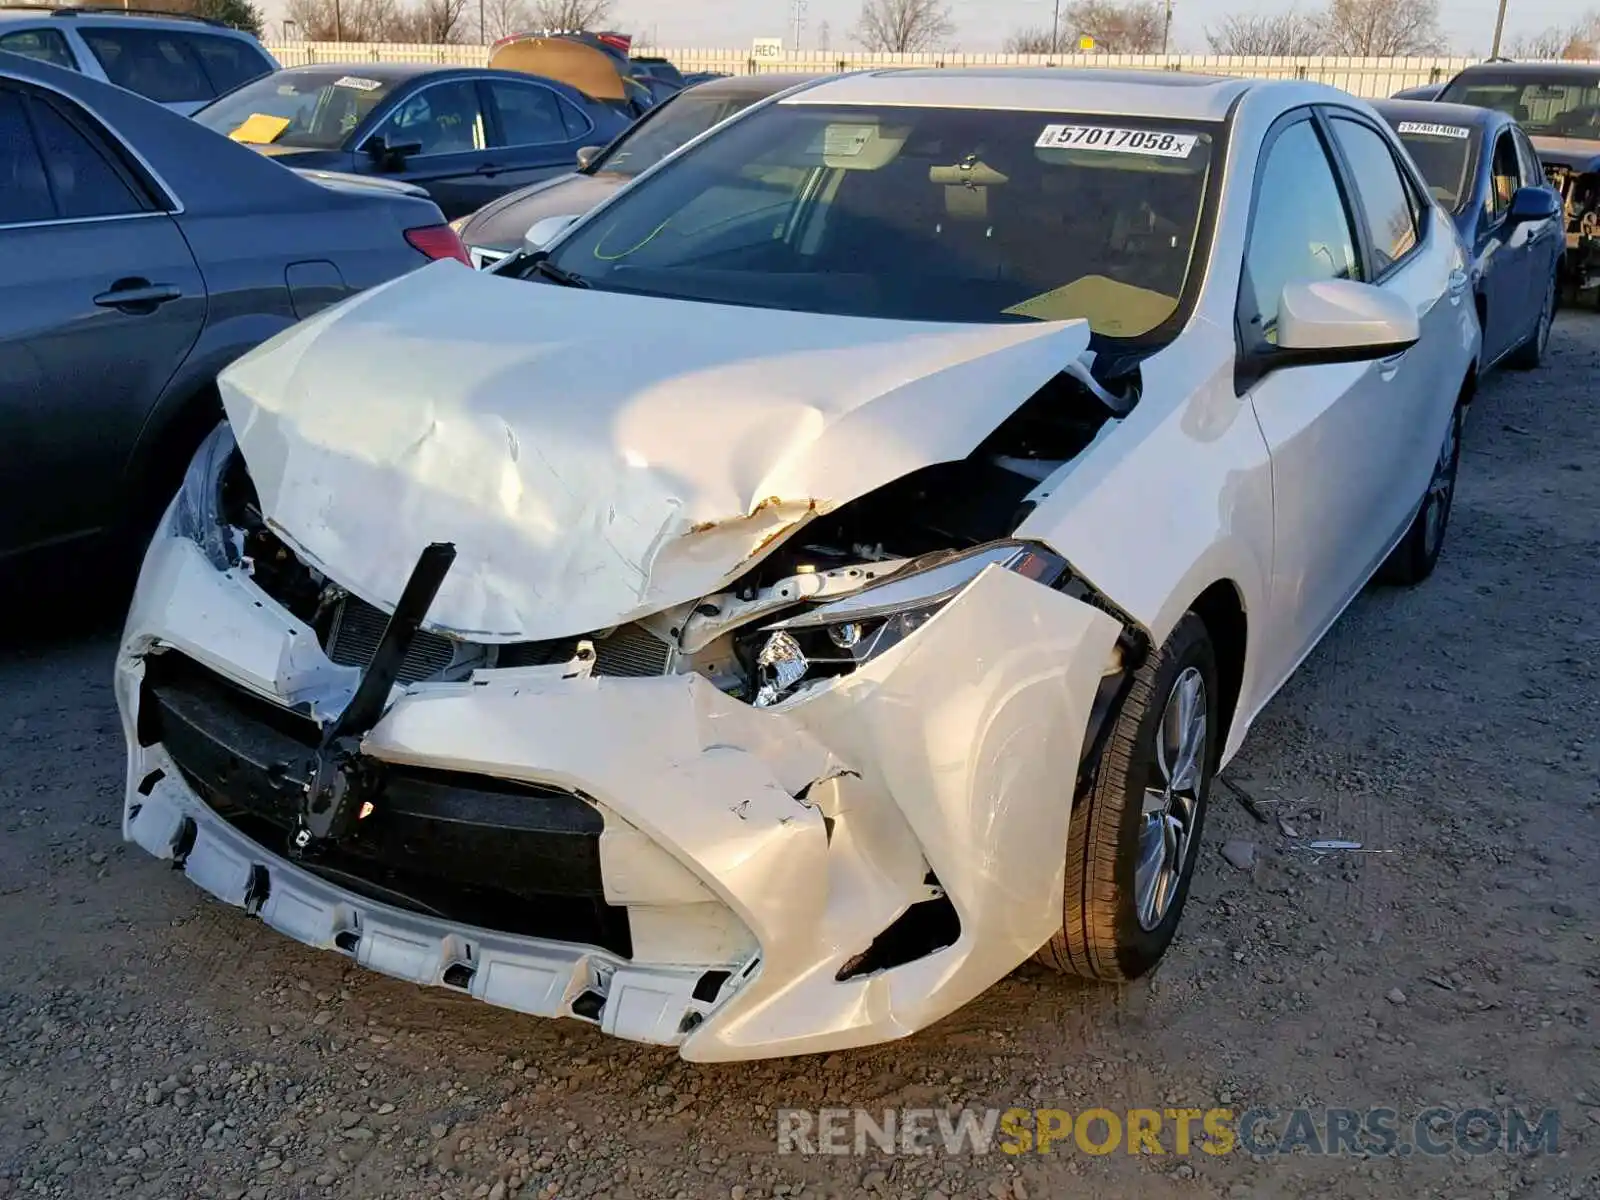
pixel 227 62
pixel 24 188
pixel 530 115
pixel 156 64
pixel 81 174
pixel 46 45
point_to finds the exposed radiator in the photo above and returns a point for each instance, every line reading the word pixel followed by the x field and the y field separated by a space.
pixel 631 651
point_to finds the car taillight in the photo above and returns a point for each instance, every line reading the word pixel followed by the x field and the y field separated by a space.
pixel 438 241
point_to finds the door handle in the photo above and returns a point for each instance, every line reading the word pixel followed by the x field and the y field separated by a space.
pixel 137 296
pixel 490 169
pixel 1458 285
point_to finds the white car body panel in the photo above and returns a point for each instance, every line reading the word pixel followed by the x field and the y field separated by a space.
pixel 584 488
pixel 587 500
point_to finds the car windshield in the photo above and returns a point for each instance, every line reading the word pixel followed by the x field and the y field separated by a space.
pixel 313 110
pixel 1443 152
pixel 924 214
pixel 1554 107
pixel 679 120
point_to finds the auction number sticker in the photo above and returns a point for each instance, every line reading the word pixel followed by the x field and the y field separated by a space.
pixel 1117 141
pixel 355 81
pixel 1429 129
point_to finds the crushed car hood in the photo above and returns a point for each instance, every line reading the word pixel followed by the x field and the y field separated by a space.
pixel 594 456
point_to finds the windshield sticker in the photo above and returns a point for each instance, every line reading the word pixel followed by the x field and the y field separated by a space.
pixel 846 141
pixel 1117 141
pixel 260 129
pixel 1429 129
pixel 360 84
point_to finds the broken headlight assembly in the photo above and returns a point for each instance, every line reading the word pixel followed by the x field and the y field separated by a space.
pixel 836 638
pixel 197 514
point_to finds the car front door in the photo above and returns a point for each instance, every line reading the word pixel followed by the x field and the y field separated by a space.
pixel 1505 267
pixel 1334 430
pixel 100 301
pixel 1548 238
pixel 446 125
pixel 536 134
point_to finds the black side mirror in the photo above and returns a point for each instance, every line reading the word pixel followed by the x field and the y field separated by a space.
pixel 1534 204
pixel 387 155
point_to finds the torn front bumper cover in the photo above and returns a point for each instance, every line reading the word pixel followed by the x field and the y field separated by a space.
pixel 646 854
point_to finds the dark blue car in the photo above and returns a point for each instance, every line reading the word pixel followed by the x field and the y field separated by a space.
pixel 466 135
pixel 1482 168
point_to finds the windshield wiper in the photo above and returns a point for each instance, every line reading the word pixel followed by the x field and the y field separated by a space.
pixel 559 274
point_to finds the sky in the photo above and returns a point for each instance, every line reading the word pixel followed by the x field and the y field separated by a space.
pixel 983 25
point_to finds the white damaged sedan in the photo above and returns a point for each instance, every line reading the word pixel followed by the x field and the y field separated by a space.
pixel 829 573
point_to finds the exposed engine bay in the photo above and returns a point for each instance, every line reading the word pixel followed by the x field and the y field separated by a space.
pixel 1580 195
pixel 907 525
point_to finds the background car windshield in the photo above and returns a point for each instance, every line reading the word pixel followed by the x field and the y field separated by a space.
pixel 916 214
pixel 680 120
pixel 308 110
pixel 1551 108
pixel 1443 161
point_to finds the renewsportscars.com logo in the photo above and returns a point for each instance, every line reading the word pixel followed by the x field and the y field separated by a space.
pixel 1264 1132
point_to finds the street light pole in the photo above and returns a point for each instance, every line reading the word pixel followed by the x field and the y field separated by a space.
pixel 1499 27
pixel 338 23
pixel 1166 26
pixel 1055 31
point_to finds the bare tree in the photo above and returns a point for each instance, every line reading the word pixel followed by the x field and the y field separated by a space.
pixel 1547 43
pixel 1128 27
pixel 569 14
pixel 1383 28
pixel 1288 34
pixel 1032 41
pixel 344 20
pixel 903 26
pixel 498 18
pixel 432 22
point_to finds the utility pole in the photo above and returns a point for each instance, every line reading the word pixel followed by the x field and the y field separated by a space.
pixel 1055 31
pixel 1499 28
pixel 338 22
pixel 1166 27
pixel 798 12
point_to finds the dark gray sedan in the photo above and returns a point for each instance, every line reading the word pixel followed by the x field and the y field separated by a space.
pixel 497 229
pixel 140 253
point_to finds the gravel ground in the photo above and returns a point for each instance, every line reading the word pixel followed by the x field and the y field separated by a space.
pixel 156 1044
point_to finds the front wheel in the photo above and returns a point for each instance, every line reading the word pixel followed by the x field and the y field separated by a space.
pixel 1530 354
pixel 1135 832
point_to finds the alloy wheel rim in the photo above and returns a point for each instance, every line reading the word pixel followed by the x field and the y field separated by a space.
pixel 1172 800
pixel 1442 486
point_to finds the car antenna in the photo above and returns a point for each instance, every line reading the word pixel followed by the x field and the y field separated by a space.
pixel 344 781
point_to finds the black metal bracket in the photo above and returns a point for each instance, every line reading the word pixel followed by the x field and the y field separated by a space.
pixel 344 782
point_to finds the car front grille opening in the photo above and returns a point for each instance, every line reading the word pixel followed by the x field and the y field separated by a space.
pixel 629 651
pixel 358 628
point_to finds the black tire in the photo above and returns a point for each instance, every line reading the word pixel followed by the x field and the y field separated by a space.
pixel 1103 935
pixel 1414 558
pixel 1530 354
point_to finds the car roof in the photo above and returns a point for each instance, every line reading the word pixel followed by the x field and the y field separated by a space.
pixel 1086 90
pixel 1532 70
pixel 61 17
pixel 1433 112
pixel 388 72
pixel 766 84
